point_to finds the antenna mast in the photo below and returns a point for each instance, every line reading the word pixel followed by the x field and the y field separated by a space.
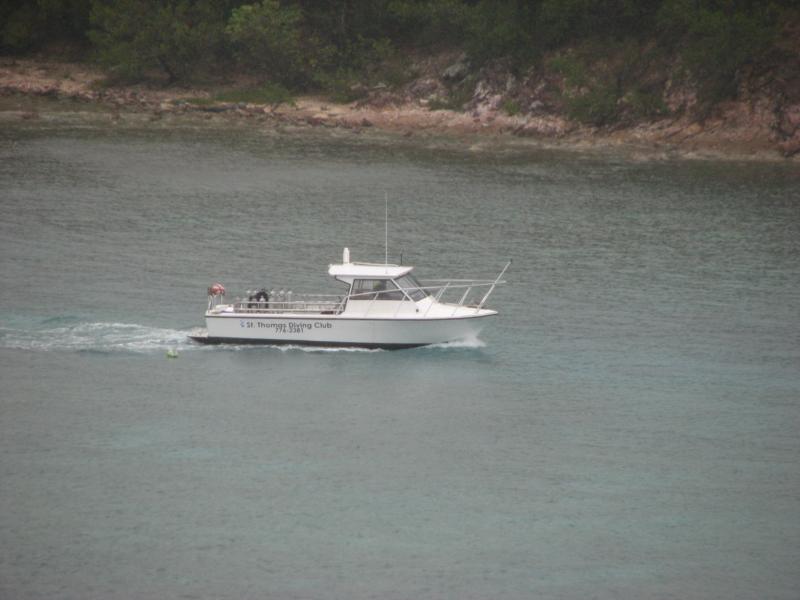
pixel 386 228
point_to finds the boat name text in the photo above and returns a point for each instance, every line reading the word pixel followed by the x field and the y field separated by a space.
pixel 284 326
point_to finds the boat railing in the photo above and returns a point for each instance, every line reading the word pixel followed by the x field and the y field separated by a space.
pixel 324 304
pixel 327 304
pixel 441 291
pixel 440 287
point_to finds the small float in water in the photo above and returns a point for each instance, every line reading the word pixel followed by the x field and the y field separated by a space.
pixel 384 307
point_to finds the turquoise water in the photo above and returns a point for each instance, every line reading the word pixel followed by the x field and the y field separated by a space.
pixel 626 428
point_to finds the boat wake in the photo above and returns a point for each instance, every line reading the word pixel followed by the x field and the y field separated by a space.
pixel 64 333
pixel 472 342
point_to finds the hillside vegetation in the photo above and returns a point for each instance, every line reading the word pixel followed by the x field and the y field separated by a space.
pixel 597 62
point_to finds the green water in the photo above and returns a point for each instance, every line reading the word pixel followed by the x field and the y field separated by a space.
pixel 625 428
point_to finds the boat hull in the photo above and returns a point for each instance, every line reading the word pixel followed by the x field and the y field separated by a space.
pixel 214 341
pixel 340 331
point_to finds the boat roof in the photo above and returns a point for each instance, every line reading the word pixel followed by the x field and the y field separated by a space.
pixel 373 271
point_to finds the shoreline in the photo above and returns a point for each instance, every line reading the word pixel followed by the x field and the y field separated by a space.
pixel 728 137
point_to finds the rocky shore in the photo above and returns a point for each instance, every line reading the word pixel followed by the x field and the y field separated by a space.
pixel 754 127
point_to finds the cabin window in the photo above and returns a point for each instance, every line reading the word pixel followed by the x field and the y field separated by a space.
pixel 375 289
pixel 411 287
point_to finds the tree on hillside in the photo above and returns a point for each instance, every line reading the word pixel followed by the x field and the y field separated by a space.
pixel 716 39
pixel 266 39
pixel 132 37
pixel 26 24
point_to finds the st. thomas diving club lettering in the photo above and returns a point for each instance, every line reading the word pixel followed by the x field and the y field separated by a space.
pixel 290 327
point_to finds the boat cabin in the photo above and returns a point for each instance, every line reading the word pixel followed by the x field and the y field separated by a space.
pixel 378 289
pixel 378 282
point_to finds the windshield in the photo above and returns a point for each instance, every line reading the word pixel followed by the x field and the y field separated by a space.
pixel 411 287
pixel 375 289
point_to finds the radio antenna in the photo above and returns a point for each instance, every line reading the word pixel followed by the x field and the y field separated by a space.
pixel 386 228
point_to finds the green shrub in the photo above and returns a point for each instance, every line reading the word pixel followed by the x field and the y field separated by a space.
pixel 457 96
pixel 461 93
pixel 511 107
pixel 571 68
pixel 646 104
pixel 596 107
pixel 395 72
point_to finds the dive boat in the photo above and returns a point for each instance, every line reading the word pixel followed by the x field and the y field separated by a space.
pixel 384 307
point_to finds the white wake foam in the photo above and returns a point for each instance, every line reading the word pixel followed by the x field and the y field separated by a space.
pixel 99 337
pixel 472 342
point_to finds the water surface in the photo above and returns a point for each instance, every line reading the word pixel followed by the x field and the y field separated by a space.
pixel 626 428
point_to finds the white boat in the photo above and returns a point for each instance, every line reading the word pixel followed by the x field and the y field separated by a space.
pixel 384 307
